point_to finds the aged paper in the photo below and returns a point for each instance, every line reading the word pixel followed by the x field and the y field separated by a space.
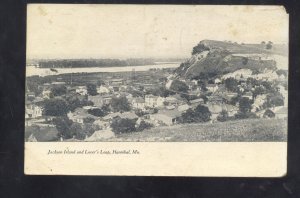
pixel 156 90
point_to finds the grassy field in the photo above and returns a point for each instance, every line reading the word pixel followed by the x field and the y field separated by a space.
pixel 232 131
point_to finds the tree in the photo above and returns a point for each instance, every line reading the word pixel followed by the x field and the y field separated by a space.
pixel 199 48
pixel 269 114
pixel 179 86
pixel 231 84
pixel 120 104
pixel 269 45
pixel 91 89
pixel 98 112
pixel 88 120
pixel 123 125
pixel 144 125
pixel 245 105
pixel 77 131
pixel 199 114
pixel 223 116
pixel 63 125
pixel 75 102
pixel 263 42
pixel 100 82
pixel 59 90
pixel 55 107
pixel 245 60
pixel 273 100
pixel 202 85
pixel 258 91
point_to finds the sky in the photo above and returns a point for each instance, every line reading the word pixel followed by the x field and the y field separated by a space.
pixel 145 31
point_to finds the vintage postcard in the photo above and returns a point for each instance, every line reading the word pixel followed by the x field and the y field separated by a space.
pixel 156 90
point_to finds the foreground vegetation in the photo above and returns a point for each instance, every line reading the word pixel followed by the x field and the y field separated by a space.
pixel 246 130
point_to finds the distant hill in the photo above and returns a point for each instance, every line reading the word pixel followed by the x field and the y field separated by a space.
pixel 219 57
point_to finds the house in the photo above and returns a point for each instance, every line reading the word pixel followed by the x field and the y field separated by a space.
pixel 196 92
pixel 138 103
pixel 81 90
pixel 217 81
pixel 97 100
pixel 216 109
pixel 150 100
pixel 258 102
pixel 103 90
pixel 229 95
pixel 183 107
pixel 101 124
pixel 100 135
pixel 128 115
pixel 197 101
pixel 248 95
pixel 168 117
pixel 58 83
pixel 33 111
pixel 30 95
pixel 212 87
pixel 116 82
pixel 79 115
pixel 231 110
pixel 100 100
pixel 46 94
pixel 110 116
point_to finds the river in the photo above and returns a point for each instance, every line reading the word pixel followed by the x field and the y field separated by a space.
pixel 32 70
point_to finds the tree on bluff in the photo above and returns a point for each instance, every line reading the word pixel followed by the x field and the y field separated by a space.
pixel 199 48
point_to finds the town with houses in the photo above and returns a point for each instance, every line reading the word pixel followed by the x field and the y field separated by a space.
pixel 105 106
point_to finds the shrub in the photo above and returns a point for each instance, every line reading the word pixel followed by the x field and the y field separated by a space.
pixel 269 114
pixel 223 116
pixel 144 125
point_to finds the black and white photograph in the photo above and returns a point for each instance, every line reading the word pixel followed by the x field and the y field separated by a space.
pixel 156 90
pixel 156 74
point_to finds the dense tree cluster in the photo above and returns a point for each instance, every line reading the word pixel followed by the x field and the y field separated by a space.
pixel 123 125
pixel 73 63
pixel 199 114
pixel 55 107
pixel 58 90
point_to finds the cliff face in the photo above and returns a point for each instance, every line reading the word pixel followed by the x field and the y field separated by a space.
pixel 218 58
